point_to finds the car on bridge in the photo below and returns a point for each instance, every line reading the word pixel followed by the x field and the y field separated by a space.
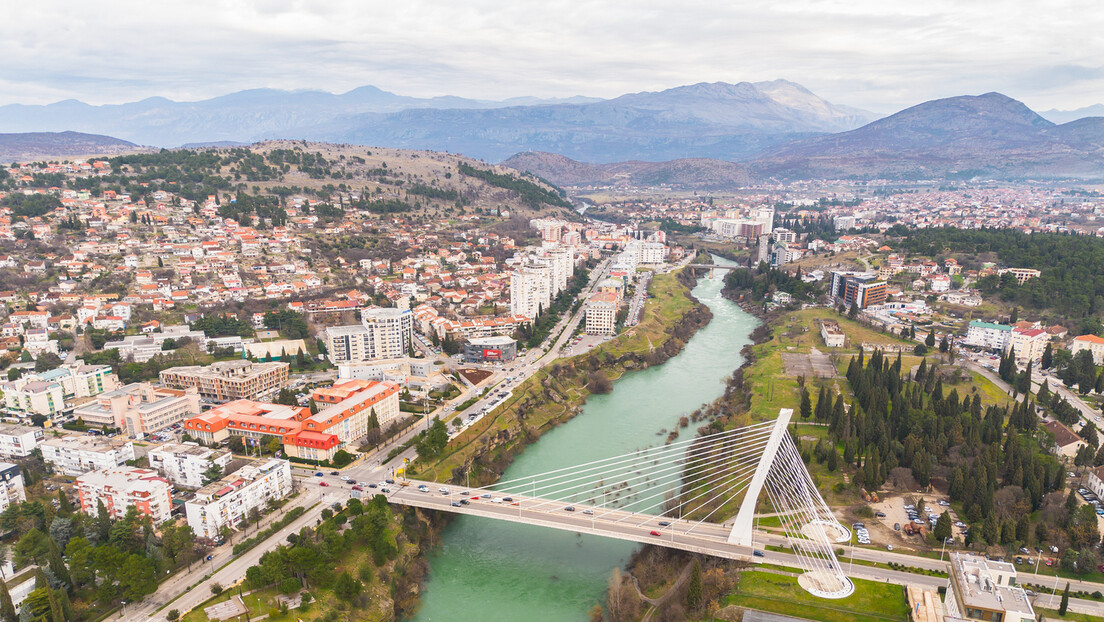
pixel 655 533
pixel 569 508
pixel 664 523
pixel 423 488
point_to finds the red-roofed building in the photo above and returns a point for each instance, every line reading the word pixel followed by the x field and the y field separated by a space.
pixel 1092 343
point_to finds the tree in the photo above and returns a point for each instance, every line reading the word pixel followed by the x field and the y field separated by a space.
pixel 930 339
pixel 1048 356
pixel 173 615
pixel 347 588
pixel 7 608
pixel 287 397
pixel 273 445
pixel 694 588
pixel 216 588
pixel 806 405
pixel 1062 608
pixel 212 473
pixel 942 529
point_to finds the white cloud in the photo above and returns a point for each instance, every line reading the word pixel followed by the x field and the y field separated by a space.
pixel 875 54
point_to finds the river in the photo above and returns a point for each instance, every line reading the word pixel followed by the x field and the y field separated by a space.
pixel 485 569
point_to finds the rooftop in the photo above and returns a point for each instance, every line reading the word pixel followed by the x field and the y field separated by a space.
pixel 986 584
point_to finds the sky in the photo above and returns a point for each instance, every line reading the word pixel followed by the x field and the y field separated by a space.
pixel 881 55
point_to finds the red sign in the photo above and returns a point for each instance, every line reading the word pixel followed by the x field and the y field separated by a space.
pixel 494 355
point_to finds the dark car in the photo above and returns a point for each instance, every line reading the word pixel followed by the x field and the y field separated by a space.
pixel 371 485
pixel 508 499
pixel 880 514
pixel 758 553
pixel 569 508
pixel 664 523
pixel 334 473
pixel 389 481
pixel 464 502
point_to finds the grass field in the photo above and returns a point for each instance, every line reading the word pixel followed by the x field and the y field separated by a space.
pixel 1052 614
pixel 871 602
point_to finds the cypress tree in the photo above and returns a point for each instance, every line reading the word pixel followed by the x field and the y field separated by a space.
pixel 1062 608
pixel 7 608
pixel 694 589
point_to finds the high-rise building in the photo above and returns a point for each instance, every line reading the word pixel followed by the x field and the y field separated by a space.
pixel 227 502
pixel 384 333
pixel 75 455
pixel 530 290
pixel 122 487
pixel 862 289
pixel 185 463
pixel 601 314
pixel 12 490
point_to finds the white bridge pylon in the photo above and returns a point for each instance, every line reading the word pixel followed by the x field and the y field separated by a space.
pixel 691 481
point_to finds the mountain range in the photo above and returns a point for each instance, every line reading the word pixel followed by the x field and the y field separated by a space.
pixel 36 145
pixel 719 120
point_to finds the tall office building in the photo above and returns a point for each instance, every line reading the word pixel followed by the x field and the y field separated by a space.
pixel 384 333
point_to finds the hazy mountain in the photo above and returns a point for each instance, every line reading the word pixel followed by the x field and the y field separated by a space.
pixel 238 117
pixel 989 135
pixel 686 174
pixel 1065 116
pixel 719 120
pixel 35 145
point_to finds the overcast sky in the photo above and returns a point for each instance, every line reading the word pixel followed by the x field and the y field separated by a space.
pixel 882 55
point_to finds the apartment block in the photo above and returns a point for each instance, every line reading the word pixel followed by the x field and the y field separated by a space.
pixel 384 333
pixel 184 463
pixel 862 289
pixel 12 490
pixel 988 335
pixel 1092 343
pixel 74 455
pixel 140 408
pixel 229 380
pixel 601 314
pixel 227 501
pixel 18 441
pixel 28 396
pixel 119 488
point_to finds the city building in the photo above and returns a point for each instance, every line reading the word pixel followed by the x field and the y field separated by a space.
pixel 1022 274
pixel 245 418
pixel 530 290
pixel 490 349
pixel 74 455
pixel 987 335
pixel 185 463
pixel 1094 481
pixel 601 314
pixel 384 333
pixel 12 490
pixel 227 502
pixel 121 487
pixel 862 289
pixel 229 380
pixel 18 441
pixel 831 333
pixel 27 396
pixel 1092 343
pixel 1028 342
pixel 346 408
pixel 985 590
pixel 140 408
pixel 1066 442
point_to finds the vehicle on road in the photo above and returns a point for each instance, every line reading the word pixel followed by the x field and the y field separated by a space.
pixel 318 474
pixel 758 553
pixel 569 508
pixel 357 488
pixel 371 485
pixel 443 490
pixel 588 511
pixel 508 499
pixel 664 523
pixel 334 473
pixel 423 488
pixel 323 484
pixel 655 533
pixel 496 500
pixel 465 502
pixel 455 504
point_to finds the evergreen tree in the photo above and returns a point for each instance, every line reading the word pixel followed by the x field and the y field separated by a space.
pixel 694 588
pixel 7 608
pixel 806 405
pixel 930 339
pixel 1064 606
pixel 1048 356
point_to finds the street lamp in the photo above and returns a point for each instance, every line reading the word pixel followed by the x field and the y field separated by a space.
pixel 945 540
pixel 124 608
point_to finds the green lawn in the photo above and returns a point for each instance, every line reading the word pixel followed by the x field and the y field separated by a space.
pixel 871 602
pixel 1052 614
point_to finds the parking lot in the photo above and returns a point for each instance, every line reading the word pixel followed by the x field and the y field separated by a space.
pixel 898 514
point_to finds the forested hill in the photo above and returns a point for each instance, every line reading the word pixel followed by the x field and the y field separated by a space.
pixel 1071 282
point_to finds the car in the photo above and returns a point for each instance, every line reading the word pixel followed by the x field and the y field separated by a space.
pixel 569 508
pixel 889 547
pixel 858 525
pixel 944 503
pixel 508 499
pixel 334 473
pixel 1049 562
pixel 463 493
pixel 758 553
pixel 465 502
pixel 1023 549
pixel 318 474
pixel 371 485
pixel 389 481
pixel 896 526
pixel 423 488
pixel 344 478
pixel 323 484
pixel 910 507
pixel 655 533
pixel 455 504
pixel 443 490
pixel 1019 561
pixel 485 496
pixel 357 488
pixel 497 500
pixel 384 489
pixel 1053 549
pixel 588 511
pixel 664 523
pixel 880 514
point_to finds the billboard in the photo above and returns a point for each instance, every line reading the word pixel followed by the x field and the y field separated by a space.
pixel 492 355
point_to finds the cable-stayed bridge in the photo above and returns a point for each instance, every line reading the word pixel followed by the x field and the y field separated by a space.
pixel 698 495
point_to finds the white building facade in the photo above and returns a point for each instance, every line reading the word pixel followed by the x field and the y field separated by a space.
pixel 228 501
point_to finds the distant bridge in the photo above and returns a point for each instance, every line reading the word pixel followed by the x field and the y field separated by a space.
pixel 628 497
pixel 712 267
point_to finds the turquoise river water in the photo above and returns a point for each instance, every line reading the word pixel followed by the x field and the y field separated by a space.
pixel 492 570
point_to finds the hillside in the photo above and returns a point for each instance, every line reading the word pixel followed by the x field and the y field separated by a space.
pixel 989 135
pixel 683 174
pixel 38 145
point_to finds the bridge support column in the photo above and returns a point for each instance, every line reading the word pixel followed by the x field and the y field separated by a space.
pixel 741 534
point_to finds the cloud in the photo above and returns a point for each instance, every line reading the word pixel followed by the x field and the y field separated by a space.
pixel 870 53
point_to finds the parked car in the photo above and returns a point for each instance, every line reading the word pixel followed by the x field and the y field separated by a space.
pixel 323 484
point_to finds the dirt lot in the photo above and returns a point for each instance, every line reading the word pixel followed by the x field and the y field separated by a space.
pixel 881 529
pixel 815 363
pixel 475 376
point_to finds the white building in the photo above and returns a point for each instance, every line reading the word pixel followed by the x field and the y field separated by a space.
pixel 121 487
pixel 27 396
pixel 45 393
pixel 601 314
pixel 1092 343
pixel 18 441
pixel 980 589
pixel 988 335
pixel 184 464
pixel 11 485
pixel 1028 342
pixel 1094 481
pixel 227 501
pixel 384 333
pixel 74 455
pixel 530 290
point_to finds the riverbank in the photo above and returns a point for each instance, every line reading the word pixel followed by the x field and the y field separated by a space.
pixel 556 393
